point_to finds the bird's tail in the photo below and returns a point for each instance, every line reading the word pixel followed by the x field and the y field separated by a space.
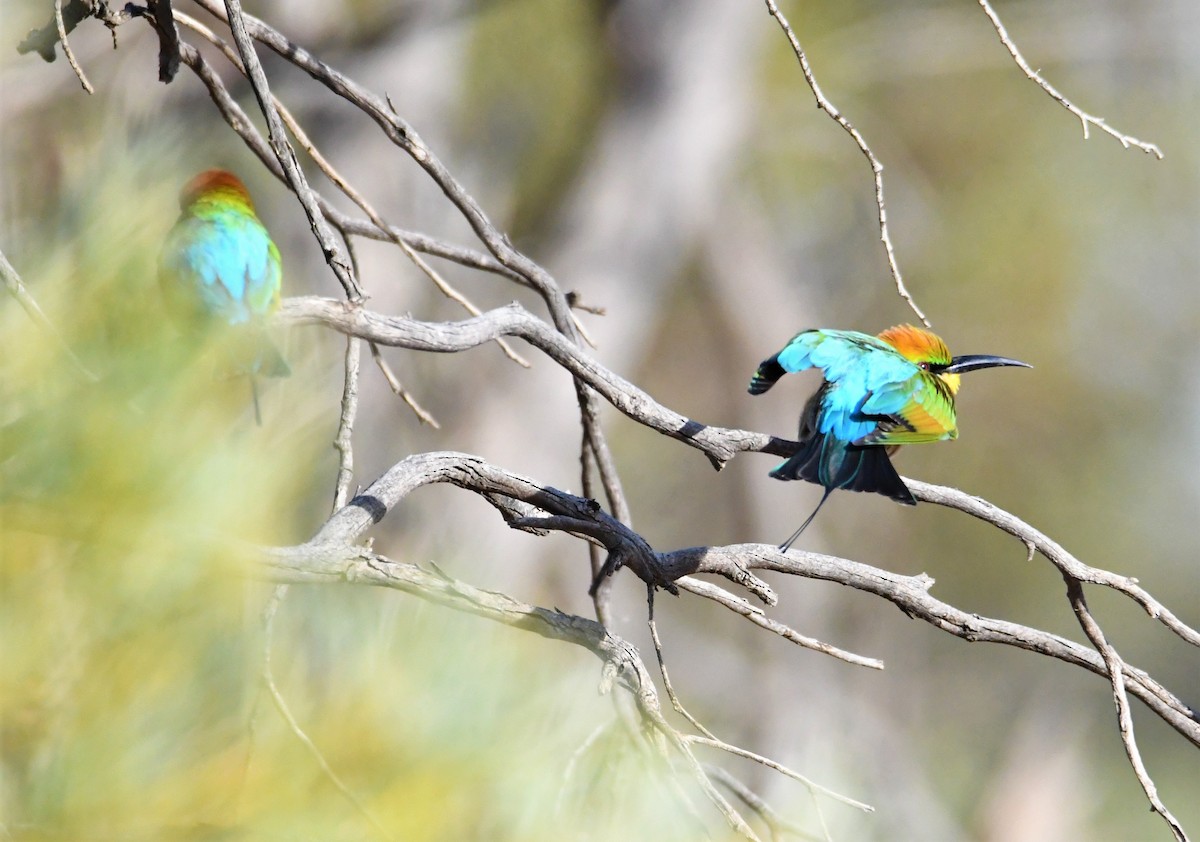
pixel 270 362
pixel 249 350
pixel 828 462
pixel 833 464
pixel 255 356
pixel 787 545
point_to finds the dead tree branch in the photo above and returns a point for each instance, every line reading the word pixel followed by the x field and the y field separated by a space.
pixel 910 594
pixel 1085 119
pixel 286 155
pixel 717 443
pixel 829 108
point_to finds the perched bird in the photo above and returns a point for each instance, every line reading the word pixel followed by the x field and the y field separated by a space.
pixel 879 392
pixel 219 269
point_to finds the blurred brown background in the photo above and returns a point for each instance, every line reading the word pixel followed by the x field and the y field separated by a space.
pixel 666 161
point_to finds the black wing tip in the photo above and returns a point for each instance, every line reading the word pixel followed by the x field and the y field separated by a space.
pixel 769 372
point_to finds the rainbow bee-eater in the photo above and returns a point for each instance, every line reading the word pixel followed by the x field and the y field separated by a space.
pixel 219 269
pixel 879 392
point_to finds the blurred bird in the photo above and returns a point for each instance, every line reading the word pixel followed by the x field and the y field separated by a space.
pixel 219 269
pixel 879 392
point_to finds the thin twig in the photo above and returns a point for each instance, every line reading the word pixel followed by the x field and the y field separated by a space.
pixel 583 332
pixel 1084 118
pixel 828 107
pixel 67 51
pixel 774 822
pixel 756 616
pixel 602 593
pixel 734 819
pixel 397 387
pixel 454 295
pixel 573 762
pixel 355 196
pixel 281 705
pixel 779 767
pixel 351 252
pixel 12 281
pixel 343 441
pixel 1054 552
pixel 252 718
pixel 662 668
pixel 1116 673
pixel 821 816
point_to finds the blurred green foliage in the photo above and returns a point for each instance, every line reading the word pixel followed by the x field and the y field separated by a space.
pixel 130 631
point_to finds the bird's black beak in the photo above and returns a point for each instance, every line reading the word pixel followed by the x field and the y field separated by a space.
pixel 971 362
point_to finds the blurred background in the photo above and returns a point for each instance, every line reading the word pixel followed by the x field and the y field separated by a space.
pixel 665 161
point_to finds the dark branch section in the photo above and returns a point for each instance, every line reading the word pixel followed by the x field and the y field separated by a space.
pixel 168 40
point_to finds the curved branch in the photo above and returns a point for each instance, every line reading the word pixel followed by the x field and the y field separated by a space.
pixel 718 443
pixel 911 595
pixel 1115 667
pixel 1067 564
pixel 12 281
pixel 67 51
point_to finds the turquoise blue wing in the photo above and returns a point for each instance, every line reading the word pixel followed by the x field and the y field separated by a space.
pixel 833 351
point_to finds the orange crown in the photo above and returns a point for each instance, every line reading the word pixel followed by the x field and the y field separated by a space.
pixel 917 344
pixel 213 181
